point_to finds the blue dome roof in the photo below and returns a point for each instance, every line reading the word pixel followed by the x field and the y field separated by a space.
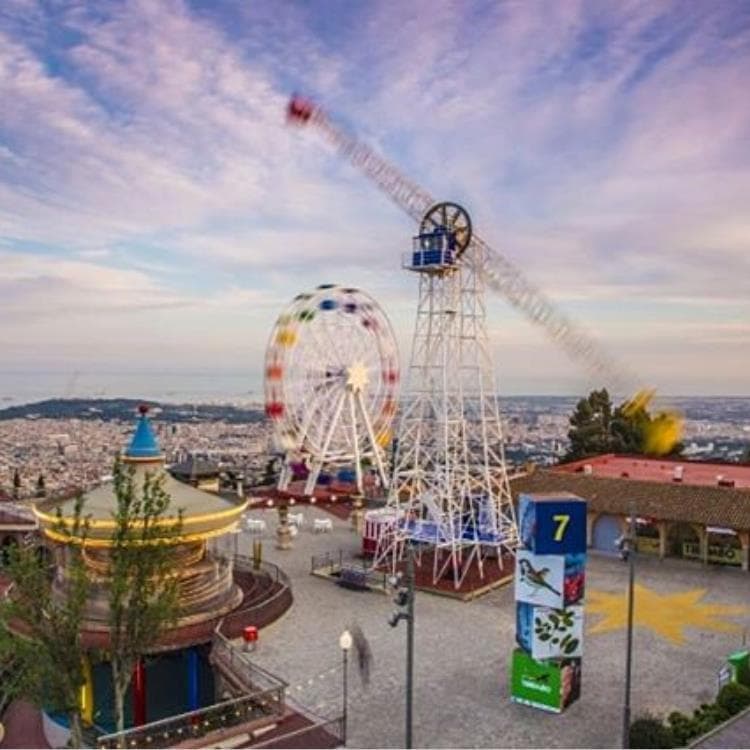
pixel 144 443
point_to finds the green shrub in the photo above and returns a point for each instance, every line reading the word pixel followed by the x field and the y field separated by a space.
pixel 683 727
pixel 708 716
pixel 648 731
pixel 733 697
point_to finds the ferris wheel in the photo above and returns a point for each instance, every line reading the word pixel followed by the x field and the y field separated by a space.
pixel 331 383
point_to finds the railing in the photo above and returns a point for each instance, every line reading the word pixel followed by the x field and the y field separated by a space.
pixel 181 728
pixel 327 733
pixel 334 562
pixel 238 663
pixel 265 611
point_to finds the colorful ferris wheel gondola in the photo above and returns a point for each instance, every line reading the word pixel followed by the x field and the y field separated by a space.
pixel 331 383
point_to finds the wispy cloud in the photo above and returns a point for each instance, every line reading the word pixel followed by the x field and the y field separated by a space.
pixel 144 163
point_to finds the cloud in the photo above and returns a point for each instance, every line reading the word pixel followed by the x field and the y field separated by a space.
pixel 144 163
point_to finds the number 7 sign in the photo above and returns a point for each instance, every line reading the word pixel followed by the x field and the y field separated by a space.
pixel 552 524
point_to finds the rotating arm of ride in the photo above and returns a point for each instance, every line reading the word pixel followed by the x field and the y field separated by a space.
pixel 499 273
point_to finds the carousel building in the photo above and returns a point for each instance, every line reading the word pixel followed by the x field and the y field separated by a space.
pixel 217 593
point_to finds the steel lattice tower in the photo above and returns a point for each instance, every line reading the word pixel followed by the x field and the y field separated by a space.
pixel 450 486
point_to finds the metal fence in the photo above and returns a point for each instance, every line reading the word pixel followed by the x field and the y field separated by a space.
pixel 339 565
pixel 325 733
pixel 265 611
pixel 238 663
pixel 192 725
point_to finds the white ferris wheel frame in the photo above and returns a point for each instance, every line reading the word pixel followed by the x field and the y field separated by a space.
pixel 331 383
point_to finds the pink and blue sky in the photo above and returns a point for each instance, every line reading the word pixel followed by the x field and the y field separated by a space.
pixel 156 214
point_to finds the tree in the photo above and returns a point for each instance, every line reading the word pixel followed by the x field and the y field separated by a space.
pixel 589 432
pixel 41 488
pixel 629 429
pixel 16 484
pixel 40 627
pixel 143 600
pixel 596 429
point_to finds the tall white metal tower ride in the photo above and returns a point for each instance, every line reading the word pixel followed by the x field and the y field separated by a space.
pixel 450 488
pixel 450 325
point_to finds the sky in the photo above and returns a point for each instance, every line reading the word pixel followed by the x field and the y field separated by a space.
pixel 157 214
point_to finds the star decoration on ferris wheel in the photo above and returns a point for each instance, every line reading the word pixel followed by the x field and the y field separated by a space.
pixel 356 377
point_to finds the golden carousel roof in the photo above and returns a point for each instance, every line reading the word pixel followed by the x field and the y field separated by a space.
pixel 204 514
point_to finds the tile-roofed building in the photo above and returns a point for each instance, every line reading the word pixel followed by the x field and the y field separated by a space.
pixel 675 516
pixel 668 471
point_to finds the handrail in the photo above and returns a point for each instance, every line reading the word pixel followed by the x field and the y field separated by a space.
pixel 239 657
pixel 253 611
pixel 175 729
pixel 336 724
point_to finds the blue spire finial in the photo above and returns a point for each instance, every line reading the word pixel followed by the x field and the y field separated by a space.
pixel 144 443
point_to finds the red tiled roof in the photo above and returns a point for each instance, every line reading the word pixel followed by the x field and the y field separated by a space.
pixel 708 506
pixel 660 470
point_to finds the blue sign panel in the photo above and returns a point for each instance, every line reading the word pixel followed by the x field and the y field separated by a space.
pixel 551 525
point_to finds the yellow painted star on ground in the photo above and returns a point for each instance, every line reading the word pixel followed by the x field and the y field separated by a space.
pixel 667 615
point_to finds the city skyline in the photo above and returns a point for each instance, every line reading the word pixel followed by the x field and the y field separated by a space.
pixel 156 215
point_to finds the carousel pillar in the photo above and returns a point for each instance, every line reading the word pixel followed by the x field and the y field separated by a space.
pixel 139 694
pixel 192 668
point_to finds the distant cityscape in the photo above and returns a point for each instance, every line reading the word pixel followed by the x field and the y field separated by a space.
pixel 72 442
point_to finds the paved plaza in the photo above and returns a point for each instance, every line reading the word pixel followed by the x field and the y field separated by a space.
pixel 689 619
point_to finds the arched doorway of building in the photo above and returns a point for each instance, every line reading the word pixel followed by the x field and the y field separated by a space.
pixel 607 530
pixel 683 541
pixel 8 543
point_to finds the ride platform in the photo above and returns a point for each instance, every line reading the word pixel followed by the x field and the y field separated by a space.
pixel 497 572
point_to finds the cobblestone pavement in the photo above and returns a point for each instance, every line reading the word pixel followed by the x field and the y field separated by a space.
pixel 462 655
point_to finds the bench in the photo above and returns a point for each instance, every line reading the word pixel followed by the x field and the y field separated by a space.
pixel 353 578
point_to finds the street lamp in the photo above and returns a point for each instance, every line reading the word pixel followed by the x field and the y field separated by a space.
pixel 630 547
pixel 345 643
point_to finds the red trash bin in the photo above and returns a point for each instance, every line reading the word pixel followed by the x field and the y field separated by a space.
pixel 250 636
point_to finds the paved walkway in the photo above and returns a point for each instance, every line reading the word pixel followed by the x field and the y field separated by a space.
pixel 463 649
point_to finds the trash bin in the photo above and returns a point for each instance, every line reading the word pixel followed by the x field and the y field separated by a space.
pixel 250 637
pixel 739 662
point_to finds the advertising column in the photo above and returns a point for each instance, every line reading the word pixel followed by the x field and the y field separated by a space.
pixel 549 587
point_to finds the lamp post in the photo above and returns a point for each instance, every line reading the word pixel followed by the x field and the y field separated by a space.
pixel 629 544
pixel 405 600
pixel 345 643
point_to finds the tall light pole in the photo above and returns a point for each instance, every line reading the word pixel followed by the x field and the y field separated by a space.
pixel 405 599
pixel 345 643
pixel 630 545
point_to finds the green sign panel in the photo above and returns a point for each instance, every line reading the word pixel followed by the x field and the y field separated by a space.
pixel 550 685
